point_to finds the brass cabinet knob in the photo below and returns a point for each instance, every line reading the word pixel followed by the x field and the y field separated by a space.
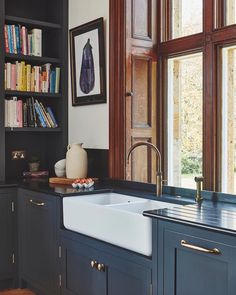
pixel 94 264
pixel 101 267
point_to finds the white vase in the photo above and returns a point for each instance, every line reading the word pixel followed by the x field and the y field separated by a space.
pixel 76 161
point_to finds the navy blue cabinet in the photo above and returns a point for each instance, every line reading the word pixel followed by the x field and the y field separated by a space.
pixel 38 226
pixel 8 253
pixel 195 261
pixel 88 270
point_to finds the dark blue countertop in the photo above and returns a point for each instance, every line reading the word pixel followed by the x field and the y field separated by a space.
pixel 219 216
pixel 123 187
pixel 217 211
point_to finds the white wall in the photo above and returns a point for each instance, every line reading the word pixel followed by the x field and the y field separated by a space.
pixel 89 124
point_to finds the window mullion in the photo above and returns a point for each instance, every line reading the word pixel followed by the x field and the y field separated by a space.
pixel 209 115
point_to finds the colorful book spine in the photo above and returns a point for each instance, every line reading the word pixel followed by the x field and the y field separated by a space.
pixel 57 85
pixel 40 113
pixel 13 31
pixel 20 113
pixel 52 117
pixel 6 39
pixel 36 42
pixel 18 44
pixel 10 40
pixel 13 77
pixel 25 117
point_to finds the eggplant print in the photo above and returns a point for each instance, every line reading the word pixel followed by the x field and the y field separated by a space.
pixel 87 74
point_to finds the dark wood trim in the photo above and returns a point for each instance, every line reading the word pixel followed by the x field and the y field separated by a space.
pixel 208 16
pixel 209 146
pixel 218 94
pixel 220 9
pixel 117 89
pixel 162 105
pixel 185 44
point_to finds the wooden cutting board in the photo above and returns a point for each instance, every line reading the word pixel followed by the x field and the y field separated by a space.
pixel 63 180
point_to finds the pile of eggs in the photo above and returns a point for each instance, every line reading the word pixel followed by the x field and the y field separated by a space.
pixel 83 183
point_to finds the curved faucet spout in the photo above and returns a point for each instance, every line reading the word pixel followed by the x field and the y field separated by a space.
pixel 158 172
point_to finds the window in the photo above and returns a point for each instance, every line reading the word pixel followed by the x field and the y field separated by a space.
pixel 185 18
pixel 195 45
pixel 229 119
pixel 184 119
pixel 230 12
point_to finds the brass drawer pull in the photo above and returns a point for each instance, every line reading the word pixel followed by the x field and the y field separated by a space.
pixel 37 203
pixel 214 251
pixel 101 267
pixel 94 264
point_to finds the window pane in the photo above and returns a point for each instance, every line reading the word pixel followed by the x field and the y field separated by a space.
pixel 229 120
pixel 186 17
pixel 230 12
pixel 184 120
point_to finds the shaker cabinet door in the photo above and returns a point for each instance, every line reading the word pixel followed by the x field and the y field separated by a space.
pixel 80 275
pixel 127 278
pixel 198 265
pixel 8 234
pixel 38 241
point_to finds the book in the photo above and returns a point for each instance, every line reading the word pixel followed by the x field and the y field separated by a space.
pixel 13 77
pixel 24 40
pixel 6 39
pixel 57 83
pixel 13 30
pixel 19 113
pixel 28 77
pixel 36 42
pixel 18 43
pixel 40 116
pixel 34 112
pixel 43 111
pixel 52 117
pixel 8 75
pixel 10 40
pixel 25 117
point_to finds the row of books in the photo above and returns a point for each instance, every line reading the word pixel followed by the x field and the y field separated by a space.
pixel 28 113
pixel 19 40
pixel 24 77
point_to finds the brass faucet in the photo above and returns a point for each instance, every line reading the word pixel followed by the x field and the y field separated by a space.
pixel 199 181
pixel 158 172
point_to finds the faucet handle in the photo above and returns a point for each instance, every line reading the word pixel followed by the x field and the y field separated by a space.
pixel 198 178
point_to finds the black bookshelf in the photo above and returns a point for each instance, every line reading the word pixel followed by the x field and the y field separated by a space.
pixel 29 94
pixel 48 143
pixel 31 22
pixel 28 129
pixel 35 60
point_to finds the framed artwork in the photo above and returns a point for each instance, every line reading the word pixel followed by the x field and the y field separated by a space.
pixel 88 72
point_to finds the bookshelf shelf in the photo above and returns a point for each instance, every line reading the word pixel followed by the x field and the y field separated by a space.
pixel 29 94
pixel 9 129
pixel 31 22
pixel 33 59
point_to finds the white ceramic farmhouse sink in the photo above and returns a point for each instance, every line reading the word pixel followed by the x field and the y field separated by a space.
pixel 113 218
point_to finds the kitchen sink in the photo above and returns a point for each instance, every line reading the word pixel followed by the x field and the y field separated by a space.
pixel 113 218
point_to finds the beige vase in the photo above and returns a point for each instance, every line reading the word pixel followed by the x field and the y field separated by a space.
pixel 76 161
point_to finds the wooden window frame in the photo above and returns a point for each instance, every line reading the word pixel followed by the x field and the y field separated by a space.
pixel 209 42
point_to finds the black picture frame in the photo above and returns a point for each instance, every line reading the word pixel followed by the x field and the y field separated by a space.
pixel 88 69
